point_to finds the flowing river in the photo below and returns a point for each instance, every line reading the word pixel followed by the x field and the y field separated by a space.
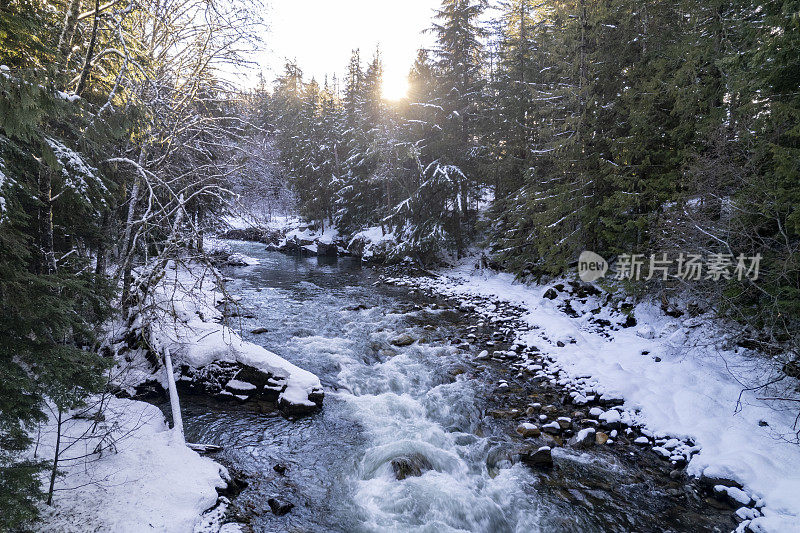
pixel 388 410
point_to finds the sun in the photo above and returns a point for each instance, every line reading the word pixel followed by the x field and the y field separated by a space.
pixel 394 87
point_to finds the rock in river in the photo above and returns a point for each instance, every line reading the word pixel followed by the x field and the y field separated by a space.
pixel 410 465
pixel 542 458
pixel 278 507
pixel 526 429
pixel 404 340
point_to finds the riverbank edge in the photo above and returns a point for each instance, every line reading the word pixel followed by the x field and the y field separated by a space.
pixel 533 456
pixel 477 288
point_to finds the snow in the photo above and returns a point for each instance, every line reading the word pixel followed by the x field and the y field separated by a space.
pixel 240 386
pixel 734 493
pixel 3 180
pixel 237 259
pixel 327 236
pixel 152 481
pixel 373 239
pixel 248 220
pixel 191 330
pixel 685 382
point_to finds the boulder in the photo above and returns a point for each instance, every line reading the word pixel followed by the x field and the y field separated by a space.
pixel 528 430
pixel 541 458
pixel 327 249
pixel 278 507
pixel 583 439
pixel 403 340
pixel 410 465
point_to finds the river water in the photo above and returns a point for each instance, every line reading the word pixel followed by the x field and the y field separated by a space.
pixel 422 403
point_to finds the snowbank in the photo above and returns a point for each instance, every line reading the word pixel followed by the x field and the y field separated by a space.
pixel 247 221
pixel 143 479
pixel 371 243
pixel 328 236
pixel 183 318
pixel 677 378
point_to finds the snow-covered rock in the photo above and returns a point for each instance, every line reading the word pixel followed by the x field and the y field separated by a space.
pixel 646 332
pixel 371 244
pixel 182 317
pixel 237 259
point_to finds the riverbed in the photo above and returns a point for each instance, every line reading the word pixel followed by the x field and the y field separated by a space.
pixel 408 438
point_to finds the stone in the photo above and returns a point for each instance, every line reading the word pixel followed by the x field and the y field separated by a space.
pixel 541 458
pixel 710 481
pixel 278 507
pixel 600 437
pixel 259 331
pixel 403 340
pixel 553 440
pixel 410 466
pixel 528 430
pixel 583 439
pixel 554 428
pixel 240 387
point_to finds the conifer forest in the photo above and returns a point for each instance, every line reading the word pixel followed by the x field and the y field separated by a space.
pixel 552 284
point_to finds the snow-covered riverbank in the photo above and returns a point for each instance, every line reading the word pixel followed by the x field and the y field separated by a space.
pixel 122 468
pixel 679 378
pixel 185 315
pixel 126 473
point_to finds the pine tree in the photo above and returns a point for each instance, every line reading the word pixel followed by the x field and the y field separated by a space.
pixel 51 200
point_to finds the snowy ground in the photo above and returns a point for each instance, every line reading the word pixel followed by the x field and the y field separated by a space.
pixel 276 222
pixel 128 473
pixel 679 377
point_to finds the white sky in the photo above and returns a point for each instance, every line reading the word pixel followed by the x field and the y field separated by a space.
pixel 320 34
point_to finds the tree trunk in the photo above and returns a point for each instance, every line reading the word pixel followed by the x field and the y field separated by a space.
pixel 200 235
pixel 177 420
pixel 68 31
pixel 48 256
pixel 87 64
pixel 126 255
pixel 102 251
pixel 54 471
